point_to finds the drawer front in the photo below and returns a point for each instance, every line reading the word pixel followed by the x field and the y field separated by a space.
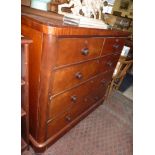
pixel 108 63
pixel 94 95
pixel 62 102
pixel 57 124
pixel 86 103
pixel 73 50
pixel 112 45
pixel 71 76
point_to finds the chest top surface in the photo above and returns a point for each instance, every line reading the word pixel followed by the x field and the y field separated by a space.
pixel 56 27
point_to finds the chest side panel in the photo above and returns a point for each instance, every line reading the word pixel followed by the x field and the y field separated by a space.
pixel 35 53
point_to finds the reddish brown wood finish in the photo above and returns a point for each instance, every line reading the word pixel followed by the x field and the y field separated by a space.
pixel 25 92
pixel 78 49
pixel 34 72
pixel 48 61
pixel 74 96
pixel 66 31
pixel 26 2
pixel 51 23
pixel 42 13
pixel 108 62
pixel 57 124
pixel 78 73
pixel 70 76
pixel 112 45
pixel 55 82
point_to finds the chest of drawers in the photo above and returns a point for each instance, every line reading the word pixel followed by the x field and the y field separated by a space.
pixel 70 69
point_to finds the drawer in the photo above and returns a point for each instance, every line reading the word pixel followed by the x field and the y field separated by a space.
pixel 108 62
pixel 70 76
pixel 112 45
pixel 78 109
pixel 57 124
pixel 72 50
pixel 95 95
pixel 64 101
pixel 65 118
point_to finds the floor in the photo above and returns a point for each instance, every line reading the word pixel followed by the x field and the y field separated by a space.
pixel 129 92
pixel 106 131
pixel 127 86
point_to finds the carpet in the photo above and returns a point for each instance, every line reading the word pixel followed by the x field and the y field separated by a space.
pixel 105 131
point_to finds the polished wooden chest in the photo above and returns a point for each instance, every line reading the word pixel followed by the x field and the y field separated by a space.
pixel 70 69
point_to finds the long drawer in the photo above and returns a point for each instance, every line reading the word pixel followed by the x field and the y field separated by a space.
pixel 65 118
pixel 68 77
pixel 72 50
pixel 62 102
pixel 79 104
pixel 112 45
pixel 57 124
pixel 70 114
pixel 96 94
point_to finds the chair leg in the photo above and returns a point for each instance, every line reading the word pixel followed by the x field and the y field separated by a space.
pixel 120 82
pixel 107 92
pixel 110 88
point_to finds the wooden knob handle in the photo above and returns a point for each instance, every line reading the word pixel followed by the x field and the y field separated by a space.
pixel 68 118
pixel 85 51
pixel 96 98
pixel 109 64
pixel 103 82
pixel 74 98
pixel 79 75
pixel 115 46
pixel 50 98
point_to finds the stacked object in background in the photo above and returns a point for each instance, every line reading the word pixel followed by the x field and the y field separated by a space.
pixel 82 21
pixel 67 19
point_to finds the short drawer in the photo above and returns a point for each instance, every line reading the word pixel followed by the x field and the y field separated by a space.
pixel 112 45
pixel 75 97
pixel 108 63
pixel 70 76
pixel 72 50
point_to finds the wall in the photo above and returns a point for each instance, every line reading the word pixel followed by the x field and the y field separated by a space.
pixel 124 12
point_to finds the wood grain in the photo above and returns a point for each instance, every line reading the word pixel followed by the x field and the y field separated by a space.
pixel 70 68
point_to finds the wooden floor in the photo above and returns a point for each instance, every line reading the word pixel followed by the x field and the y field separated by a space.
pixel 106 131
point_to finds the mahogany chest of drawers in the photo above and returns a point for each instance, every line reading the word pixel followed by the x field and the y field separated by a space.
pixel 70 69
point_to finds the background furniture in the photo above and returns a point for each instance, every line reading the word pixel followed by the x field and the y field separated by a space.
pixel 70 69
pixel 123 66
pixel 118 22
pixel 25 92
pixel 26 2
